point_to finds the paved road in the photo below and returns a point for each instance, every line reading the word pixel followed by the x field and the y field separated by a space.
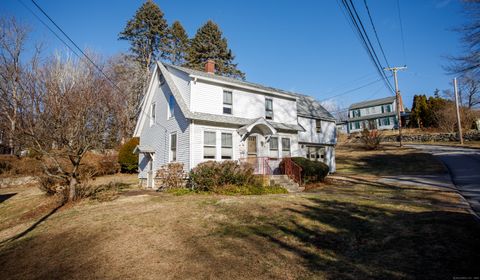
pixel 464 167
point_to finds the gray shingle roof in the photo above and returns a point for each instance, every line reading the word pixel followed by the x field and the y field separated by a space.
pixel 375 102
pixel 309 107
pixel 306 106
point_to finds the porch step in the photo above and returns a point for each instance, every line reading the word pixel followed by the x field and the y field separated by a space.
pixel 286 182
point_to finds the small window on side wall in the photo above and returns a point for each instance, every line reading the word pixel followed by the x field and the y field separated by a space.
pixel 153 116
pixel 173 147
pixel 171 106
pixel 318 126
pixel 268 108
pixel 227 102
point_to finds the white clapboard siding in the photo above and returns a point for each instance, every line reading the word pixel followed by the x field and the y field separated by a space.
pixel 310 135
pixel 182 81
pixel 157 135
pixel 208 98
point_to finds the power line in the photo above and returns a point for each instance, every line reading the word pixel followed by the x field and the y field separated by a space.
pixel 48 27
pixel 401 31
pixel 375 31
pixel 76 46
pixel 355 19
pixel 352 90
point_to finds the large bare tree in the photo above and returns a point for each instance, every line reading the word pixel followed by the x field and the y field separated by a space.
pixel 13 36
pixel 66 114
pixel 130 79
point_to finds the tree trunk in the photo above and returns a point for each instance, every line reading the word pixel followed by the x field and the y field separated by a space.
pixel 12 133
pixel 72 189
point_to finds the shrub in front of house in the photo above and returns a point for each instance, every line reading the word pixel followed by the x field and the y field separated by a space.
pixel 213 175
pixel 171 176
pixel 371 139
pixel 127 159
pixel 312 171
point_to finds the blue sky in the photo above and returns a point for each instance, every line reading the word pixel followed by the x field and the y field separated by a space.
pixel 302 46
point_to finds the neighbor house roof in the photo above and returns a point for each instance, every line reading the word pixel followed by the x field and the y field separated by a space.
pixel 306 105
pixel 370 103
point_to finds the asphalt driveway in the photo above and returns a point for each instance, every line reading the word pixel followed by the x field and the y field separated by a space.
pixel 464 167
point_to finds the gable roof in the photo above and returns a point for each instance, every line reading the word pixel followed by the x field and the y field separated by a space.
pixel 375 102
pixel 309 107
pixel 306 106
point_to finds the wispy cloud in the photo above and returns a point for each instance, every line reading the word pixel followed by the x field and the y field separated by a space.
pixel 439 4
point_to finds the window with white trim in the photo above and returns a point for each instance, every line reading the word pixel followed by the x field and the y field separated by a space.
pixel 153 114
pixel 273 147
pixel 318 126
pixel 227 102
pixel 269 108
pixel 171 106
pixel 285 147
pixel 227 145
pixel 173 146
pixel 209 144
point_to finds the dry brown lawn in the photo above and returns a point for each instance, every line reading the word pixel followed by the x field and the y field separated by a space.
pixel 347 229
pixel 390 159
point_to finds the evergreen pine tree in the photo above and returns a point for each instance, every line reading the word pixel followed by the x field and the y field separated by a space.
pixel 178 44
pixel 209 43
pixel 146 32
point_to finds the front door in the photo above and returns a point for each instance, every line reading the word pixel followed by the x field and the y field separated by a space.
pixel 252 146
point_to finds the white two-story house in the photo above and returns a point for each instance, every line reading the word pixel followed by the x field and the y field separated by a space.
pixel 378 114
pixel 191 116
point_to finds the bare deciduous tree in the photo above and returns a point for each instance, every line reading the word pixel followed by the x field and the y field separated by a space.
pixel 13 37
pixel 66 114
pixel 129 76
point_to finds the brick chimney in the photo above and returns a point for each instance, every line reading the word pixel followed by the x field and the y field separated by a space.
pixel 210 66
pixel 402 109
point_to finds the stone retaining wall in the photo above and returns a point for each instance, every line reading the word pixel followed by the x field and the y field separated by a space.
pixel 430 137
pixel 17 181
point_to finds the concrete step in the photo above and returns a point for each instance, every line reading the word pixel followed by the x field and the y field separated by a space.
pixel 286 182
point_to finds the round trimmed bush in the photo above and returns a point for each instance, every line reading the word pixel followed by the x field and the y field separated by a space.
pixel 312 171
pixel 126 158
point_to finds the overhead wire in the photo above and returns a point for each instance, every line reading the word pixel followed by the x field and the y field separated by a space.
pixel 376 34
pixel 356 21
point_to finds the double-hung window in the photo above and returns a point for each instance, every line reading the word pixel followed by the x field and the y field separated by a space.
pixel 386 108
pixel 285 147
pixel 153 116
pixel 209 144
pixel 171 106
pixel 173 147
pixel 274 147
pixel 227 102
pixel 357 125
pixel 227 145
pixel 318 126
pixel 269 108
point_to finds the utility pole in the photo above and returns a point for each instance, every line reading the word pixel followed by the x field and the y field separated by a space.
pixel 398 98
pixel 455 89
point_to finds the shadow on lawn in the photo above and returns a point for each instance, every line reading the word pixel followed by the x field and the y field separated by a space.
pixel 385 164
pixel 342 240
pixel 6 196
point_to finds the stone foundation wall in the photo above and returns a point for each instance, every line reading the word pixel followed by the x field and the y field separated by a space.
pixel 434 137
pixel 17 181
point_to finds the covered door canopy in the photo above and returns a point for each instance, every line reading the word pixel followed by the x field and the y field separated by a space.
pixel 259 125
